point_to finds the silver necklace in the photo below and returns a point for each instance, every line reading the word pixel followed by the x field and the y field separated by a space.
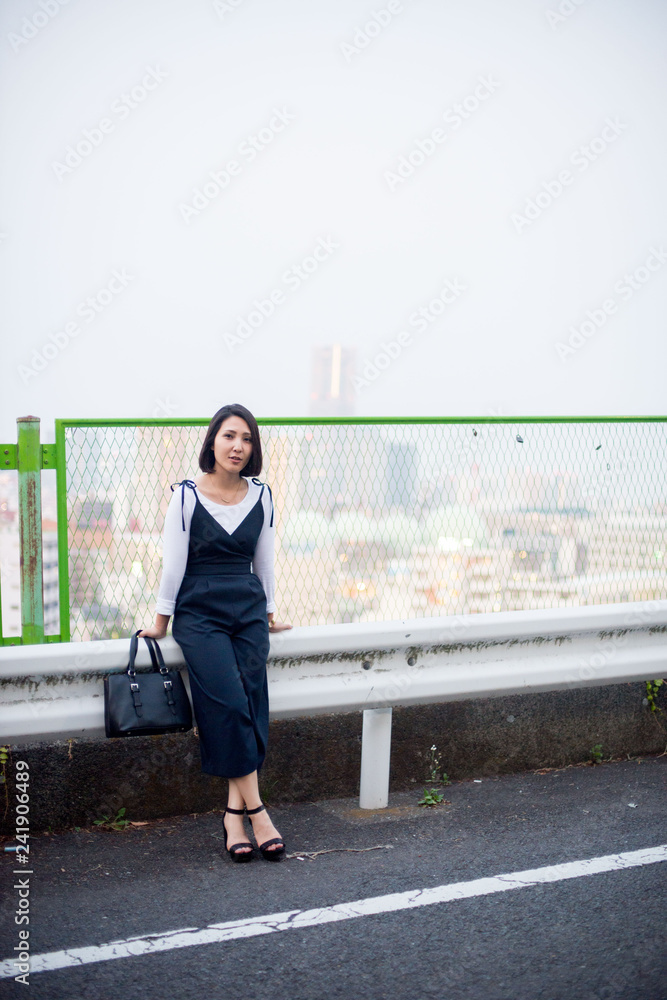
pixel 235 495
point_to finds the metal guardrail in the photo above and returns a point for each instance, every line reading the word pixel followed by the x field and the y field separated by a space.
pixel 56 691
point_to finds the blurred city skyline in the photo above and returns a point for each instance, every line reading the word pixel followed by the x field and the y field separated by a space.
pixel 373 521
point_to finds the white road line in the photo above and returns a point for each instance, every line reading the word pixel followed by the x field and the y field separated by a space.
pixel 231 930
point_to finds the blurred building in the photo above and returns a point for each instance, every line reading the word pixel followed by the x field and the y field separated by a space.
pixel 331 387
pixel 10 566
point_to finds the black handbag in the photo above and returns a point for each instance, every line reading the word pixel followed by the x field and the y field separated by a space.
pixel 146 704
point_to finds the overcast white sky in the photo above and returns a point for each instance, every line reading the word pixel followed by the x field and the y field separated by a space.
pixel 338 110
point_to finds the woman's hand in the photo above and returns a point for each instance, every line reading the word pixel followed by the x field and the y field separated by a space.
pixel 159 630
pixel 154 632
pixel 276 626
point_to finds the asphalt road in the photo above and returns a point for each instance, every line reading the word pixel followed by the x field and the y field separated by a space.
pixel 595 937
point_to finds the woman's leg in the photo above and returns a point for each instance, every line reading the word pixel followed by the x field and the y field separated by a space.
pixel 245 792
pixel 232 823
pixel 235 832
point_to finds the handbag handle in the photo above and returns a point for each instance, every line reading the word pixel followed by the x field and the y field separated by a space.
pixel 156 656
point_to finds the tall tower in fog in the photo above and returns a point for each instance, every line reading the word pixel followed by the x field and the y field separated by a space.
pixel 331 390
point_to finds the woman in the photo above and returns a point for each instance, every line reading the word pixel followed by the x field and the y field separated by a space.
pixel 223 613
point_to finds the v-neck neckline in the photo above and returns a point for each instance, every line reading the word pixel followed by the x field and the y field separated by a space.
pixel 222 527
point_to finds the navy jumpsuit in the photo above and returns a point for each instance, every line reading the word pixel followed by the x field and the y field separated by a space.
pixel 220 622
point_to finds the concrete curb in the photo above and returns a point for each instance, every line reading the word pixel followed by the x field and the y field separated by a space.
pixel 76 781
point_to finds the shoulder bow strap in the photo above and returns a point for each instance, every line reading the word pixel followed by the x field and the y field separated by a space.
pixel 186 482
pixel 258 482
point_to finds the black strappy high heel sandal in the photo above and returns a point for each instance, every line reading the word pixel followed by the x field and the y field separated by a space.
pixel 233 851
pixel 278 852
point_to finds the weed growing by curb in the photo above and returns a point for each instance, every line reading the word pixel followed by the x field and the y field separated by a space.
pixel 432 797
pixel 118 823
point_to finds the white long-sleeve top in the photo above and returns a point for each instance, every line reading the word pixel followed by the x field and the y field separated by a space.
pixel 176 541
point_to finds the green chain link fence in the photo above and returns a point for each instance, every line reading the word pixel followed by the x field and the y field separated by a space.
pixel 381 519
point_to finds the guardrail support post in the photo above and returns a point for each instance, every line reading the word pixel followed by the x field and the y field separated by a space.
pixel 30 529
pixel 375 757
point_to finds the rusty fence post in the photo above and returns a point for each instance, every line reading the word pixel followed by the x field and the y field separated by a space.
pixel 29 463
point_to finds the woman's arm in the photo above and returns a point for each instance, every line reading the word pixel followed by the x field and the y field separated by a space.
pixel 174 560
pixel 263 563
pixel 263 559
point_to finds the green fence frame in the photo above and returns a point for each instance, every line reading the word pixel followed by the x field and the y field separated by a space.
pixel 29 458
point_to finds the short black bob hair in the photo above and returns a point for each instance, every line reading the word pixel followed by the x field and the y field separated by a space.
pixel 253 466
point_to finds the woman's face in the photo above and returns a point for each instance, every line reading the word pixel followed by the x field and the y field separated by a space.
pixel 232 445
